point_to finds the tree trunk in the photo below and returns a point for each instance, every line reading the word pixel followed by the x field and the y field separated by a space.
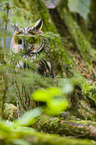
pixel 35 138
pixel 85 48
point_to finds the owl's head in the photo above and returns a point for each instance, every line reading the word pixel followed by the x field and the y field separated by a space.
pixel 27 40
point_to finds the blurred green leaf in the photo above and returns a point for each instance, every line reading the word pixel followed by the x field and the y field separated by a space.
pixel 24 129
pixel 4 128
pixel 55 100
pixel 20 142
pixel 56 106
pixel 55 91
pixel 67 86
pixel 42 95
pixel 46 95
pixel 29 117
pixel 80 6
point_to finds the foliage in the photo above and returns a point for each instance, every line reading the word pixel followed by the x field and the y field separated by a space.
pixel 28 117
pixel 90 91
pixel 54 98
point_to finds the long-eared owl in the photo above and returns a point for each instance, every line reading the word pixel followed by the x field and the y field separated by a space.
pixel 30 42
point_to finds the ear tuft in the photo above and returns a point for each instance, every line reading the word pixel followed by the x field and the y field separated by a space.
pixel 38 25
pixel 16 27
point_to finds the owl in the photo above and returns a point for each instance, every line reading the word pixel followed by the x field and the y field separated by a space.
pixel 31 44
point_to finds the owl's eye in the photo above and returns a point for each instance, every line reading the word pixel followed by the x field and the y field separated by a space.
pixel 32 41
pixel 19 41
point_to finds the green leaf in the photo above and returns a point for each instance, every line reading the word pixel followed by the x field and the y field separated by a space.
pixel 29 117
pixel 46 95
pixel 55 91
pixel 42 95
pixel 67 86
pixel 20 142
pixel 56 106
pixel 54 98
pixel 80 6
pixel 4 128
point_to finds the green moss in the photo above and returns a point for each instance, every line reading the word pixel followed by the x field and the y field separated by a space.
pixel 25 135
pixel 28 12
pixel 85 48
pixel 61 60
pixel 90 91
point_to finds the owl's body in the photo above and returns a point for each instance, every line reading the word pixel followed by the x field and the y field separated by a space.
pixel 31 44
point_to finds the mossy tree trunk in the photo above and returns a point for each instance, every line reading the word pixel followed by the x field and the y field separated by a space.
pixel 32 137
pixel 84 46
pixel 65 126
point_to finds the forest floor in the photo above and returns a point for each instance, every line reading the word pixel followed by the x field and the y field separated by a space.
pixel 70 47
